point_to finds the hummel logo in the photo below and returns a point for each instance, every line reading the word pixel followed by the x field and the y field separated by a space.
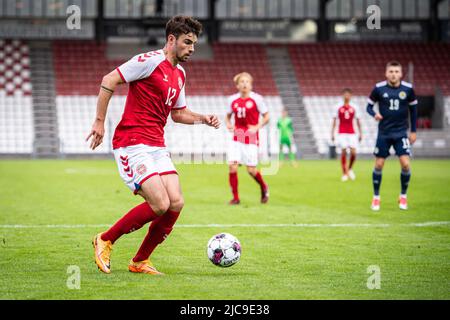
pixel 385 95
pixel 165 78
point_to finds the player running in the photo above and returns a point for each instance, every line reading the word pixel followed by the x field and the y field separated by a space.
pixel 284 125
pixel 156 89
pixel 397 102
pixel 347 138
pixel 246 106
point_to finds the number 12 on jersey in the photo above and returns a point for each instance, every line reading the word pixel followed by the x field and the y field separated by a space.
pixel 170 95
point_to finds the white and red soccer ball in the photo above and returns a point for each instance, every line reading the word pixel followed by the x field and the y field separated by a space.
pixel 224 250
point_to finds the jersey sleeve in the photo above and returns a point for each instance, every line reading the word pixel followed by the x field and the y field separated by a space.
pixel 261 104
pixel 373 97
pixel 181 102
pixel 412 99
pixel 138 67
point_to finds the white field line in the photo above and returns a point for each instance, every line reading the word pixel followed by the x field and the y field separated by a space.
pixel 299 225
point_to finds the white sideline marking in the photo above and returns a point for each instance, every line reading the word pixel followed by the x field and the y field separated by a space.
pixel 298 225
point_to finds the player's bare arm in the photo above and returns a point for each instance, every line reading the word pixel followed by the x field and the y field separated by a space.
pixel 107 87
pixel 228 123
pixel 186 116
pixel 358 123
pixel 260 124
pixel 333 129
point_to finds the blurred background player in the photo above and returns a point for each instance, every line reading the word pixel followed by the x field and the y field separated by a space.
pixel 156 89
pixel 247 107
pixel 347 138
pixel 286 132
pixel 396 102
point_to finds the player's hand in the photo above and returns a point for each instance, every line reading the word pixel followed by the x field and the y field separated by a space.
pixel 253 129
pixel 332 137
pixel 360 138
pixel 211 120
pixel 97 134
pixel 412 137
pixel 378 117
pixel 230 127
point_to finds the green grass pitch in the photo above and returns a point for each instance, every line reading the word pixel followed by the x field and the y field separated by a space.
pixel 325 241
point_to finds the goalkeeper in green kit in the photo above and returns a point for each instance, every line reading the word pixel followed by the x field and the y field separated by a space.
pixel 286 136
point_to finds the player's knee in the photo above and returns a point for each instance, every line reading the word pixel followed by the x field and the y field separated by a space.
pixel 177 204
pixel 233 168
pixel 252 171
pixel 405 167
pixel 161 206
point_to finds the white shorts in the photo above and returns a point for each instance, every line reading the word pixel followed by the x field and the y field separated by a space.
pixel 140 162
pixel 242 153
pixel 347 140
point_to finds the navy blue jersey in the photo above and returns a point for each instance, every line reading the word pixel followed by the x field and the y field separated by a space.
pixel 395 105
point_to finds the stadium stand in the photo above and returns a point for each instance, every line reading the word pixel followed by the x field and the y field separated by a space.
pixel 323 69
pixel 16 119
pixel 78 73
pixel 79 65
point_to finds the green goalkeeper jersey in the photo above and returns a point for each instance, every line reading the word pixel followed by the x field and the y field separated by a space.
pixel 286 129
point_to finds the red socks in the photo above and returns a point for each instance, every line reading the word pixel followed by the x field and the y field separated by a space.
pixel 344 162
pixel 234 183
pixel 157 233
pixel 133 220
pixel 233 178
pixel 258 177
pixel 352 159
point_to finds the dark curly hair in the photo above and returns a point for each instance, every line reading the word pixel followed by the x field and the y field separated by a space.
pixel 180 24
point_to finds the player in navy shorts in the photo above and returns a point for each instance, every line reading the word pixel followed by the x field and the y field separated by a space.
pixel 396 103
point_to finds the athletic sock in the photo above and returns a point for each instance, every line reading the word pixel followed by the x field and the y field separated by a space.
pixel 404 180
pixel 233 178
pixel 133 220
pixel 344 162
pixel 259 179
pixel 352 160
pixel 157 233
pixel 376 179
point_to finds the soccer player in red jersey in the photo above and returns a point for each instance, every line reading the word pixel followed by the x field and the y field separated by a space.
pixel 347 138
pixel 246 106
pixel 156 89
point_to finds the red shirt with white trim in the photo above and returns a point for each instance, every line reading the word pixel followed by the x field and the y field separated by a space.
pixel 346 114
pixel 155 88
pixel 246 112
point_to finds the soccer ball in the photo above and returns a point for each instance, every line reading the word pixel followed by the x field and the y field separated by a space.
pixel 224 250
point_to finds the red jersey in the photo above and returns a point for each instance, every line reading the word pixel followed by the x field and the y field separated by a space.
pixel 155 88
pixel 246 112
pixel 346 114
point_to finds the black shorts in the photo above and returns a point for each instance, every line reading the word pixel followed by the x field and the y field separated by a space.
pixel 401 146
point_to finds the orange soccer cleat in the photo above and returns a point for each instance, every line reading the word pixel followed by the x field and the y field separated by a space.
pixel 102 251
pixel 143 267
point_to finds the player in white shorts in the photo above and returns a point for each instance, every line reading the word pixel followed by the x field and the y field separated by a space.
pixel 347 138
pixel 246 106
pixel 156 90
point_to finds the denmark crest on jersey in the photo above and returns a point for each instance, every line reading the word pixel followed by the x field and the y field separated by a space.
pixel 180 82
pixel 402 95
pixel 249 104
